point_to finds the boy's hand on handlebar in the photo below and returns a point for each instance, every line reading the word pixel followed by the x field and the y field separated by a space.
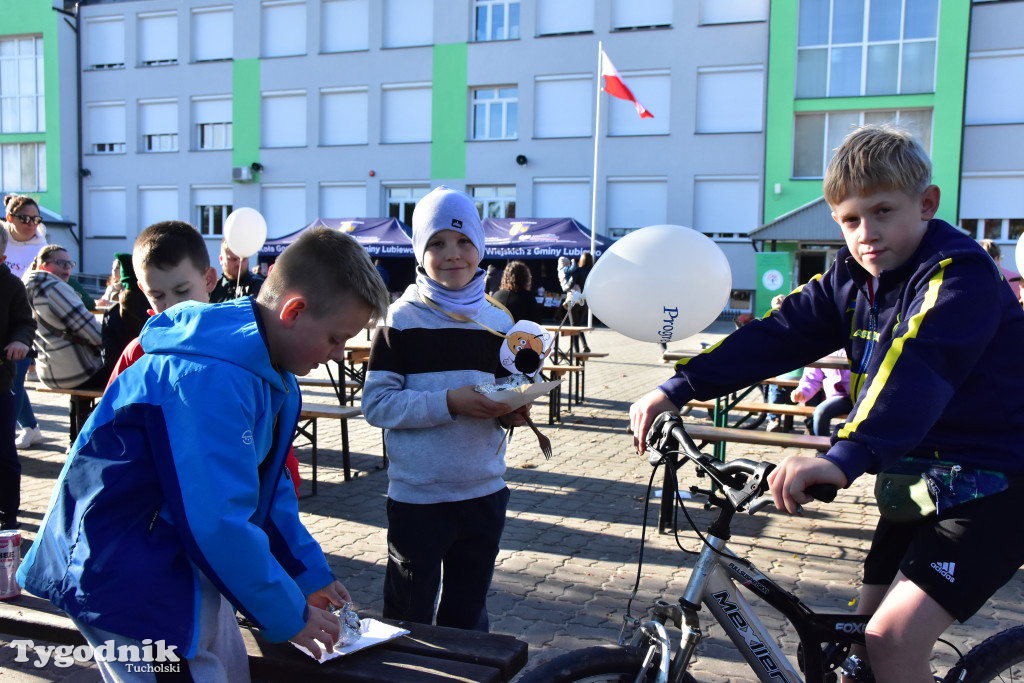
pixel 642 414
pixel 791 478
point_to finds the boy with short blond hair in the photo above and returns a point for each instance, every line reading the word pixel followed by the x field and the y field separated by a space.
pixel 172 511
pixel 932 334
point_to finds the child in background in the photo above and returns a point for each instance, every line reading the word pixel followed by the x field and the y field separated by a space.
pixel 835 388
pixel 17 328
pixel 446 496
pixel 171 510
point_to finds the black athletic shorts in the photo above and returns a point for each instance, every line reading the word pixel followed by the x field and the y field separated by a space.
pixel 960 558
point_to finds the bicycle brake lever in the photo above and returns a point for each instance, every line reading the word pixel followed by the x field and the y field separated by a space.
pixel 758 505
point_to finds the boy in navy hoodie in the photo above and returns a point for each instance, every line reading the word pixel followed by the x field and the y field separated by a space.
pixel 933 334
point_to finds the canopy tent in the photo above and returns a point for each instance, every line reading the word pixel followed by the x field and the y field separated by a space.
pixel 381 237
pixel 538 238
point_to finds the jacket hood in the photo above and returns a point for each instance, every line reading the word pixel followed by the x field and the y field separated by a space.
pixel 230 332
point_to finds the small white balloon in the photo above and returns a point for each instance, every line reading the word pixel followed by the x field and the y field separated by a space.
pixel 661 283
pixel 245 229
pixel 1018 254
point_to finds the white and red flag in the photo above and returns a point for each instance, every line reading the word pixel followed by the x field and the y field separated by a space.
pixel 616 87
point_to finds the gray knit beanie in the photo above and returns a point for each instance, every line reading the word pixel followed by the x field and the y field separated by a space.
pixel 445 209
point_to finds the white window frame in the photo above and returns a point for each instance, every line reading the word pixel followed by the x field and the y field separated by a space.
pixel 344 116
pixel 497 104
pixel 494 201
pixel 564 17
pixel 153 206
pixel 344 26
pixel 22 90
pixel 108 217
pixel 486 14
pixel 713 12
pixel 326 189
pixel 107 50
pixel 281 34
pixel 640 213
pixel 212 130
pixel 989 100
pixel 408 23
pixel 111 111
pixel 164 25
pixel 297 136
pixel 161 138
pixel 570 192
pixel 864 44
pixel 726 206
pixel 210 214
pixel 207 22
pixel 400 199
pixel 30 159
pixel 651 87
pixel 629 15
pixel 415 129
pixel 554 120
pixel 283 205
pixel 833 134
pixel 735 109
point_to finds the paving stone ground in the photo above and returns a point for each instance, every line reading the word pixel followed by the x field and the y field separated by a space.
pixel 568 557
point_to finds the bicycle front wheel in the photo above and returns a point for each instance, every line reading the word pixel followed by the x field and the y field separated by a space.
pixel 600 664
pixel 999 659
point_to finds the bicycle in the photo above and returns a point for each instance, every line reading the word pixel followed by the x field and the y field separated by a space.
pixel 825 640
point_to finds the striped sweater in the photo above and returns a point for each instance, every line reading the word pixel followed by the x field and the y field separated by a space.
pixel 934 348
pixel 417 355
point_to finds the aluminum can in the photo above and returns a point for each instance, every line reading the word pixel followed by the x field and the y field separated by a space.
pixel 10 560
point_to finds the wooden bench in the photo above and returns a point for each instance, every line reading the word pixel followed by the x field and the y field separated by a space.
pixel 82 402
pixel 429 654
pixel 797 409
pixel 307 427
pixel 580 358
pixel 345 393
pixel 556 372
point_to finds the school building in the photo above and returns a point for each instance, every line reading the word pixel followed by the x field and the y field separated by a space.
pixel 119 113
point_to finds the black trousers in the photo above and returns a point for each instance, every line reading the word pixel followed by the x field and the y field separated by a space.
pixel 451 545
pixel 10 466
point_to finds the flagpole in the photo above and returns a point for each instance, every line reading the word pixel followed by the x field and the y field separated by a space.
pixel 593 190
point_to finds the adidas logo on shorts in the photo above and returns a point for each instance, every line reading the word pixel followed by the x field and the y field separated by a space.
pixel 946 569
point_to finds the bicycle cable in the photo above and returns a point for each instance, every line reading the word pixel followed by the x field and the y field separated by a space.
pixel 643 540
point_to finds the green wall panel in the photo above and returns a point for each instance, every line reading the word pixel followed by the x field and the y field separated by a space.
pixel 246 102
pixel 448 111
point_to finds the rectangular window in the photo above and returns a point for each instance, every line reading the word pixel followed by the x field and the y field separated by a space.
pixel 212 206
pixel 344 118
pixel 730 99
pixel 562 198
pixel 158 125
pixel 406 112
pixel 157 204
pixel 637 201
pixel 496 19
pixel 212 120
pixel 631 14
pixel 730 205
pixel 282 28
pixel 495 201
pixel 816 136
pixel 556 17
pixel 989 100
pixel 284 119
pixel 408 23
pixel 984 196
pixel 104 43
pixel 732 12
pixel 855 47
pixel 158 38
pixel 106 126
pixel 106 208
pixel 212 33
pixel 344 25
pixel 653 89
pixel 564 106
pixel 342 200
pixel 495 113
pixel 22 103
pixel 402 200
pixel 23 167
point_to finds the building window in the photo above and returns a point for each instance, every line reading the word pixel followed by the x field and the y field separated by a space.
pixel 816 136
pixel 106 209
pixel 726 206
pixel 630 14
pixel 284 119
pixel 986 202
pixel 106 128
pixel 212 30
pixel 158 124
pixel 342 200
pixel 563 106
pixel 22 106
pixel 104 43
pixel 402 200
pixel 23 167
pixel 495 201
pixel 158 38
pixel 212 120
pixel 495 113
pixel 408 23
pixel 497 20
pixel 284 207
pixel 998 229
pixel 653 88
pixel 560 17
pixel 881 47
pixel 730 99
pixel 156 203
pixel 989 100
pixel 634 202
pixel 344 116
pixel 562 198
pixel 405 112
pixel 283 28
pixel 732 12
pixel 344 25
pixel 211 218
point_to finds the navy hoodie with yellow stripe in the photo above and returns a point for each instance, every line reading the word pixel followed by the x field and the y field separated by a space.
pixel 935 351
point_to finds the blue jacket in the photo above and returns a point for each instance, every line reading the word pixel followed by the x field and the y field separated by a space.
pixel 934 348
pixel 179 469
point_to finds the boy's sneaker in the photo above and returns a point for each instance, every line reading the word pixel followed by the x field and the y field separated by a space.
pixel 773 425
pixel 28 437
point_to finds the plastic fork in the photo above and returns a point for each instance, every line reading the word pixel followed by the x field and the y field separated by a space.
pixel 545 442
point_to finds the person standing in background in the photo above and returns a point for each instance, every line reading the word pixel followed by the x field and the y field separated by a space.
pixel 1012 278
pixel 516 293
pixel 26 236
pixel 236 279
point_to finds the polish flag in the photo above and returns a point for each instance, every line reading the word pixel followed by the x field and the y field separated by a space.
pixel 616 87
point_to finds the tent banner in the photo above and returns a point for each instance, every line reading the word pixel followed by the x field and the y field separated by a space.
pixel 536 238
pixel 384 237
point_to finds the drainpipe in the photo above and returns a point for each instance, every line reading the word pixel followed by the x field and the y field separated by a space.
pixel 82 173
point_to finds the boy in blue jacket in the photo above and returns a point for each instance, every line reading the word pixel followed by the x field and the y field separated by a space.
pixel 932 333
pixel 171 510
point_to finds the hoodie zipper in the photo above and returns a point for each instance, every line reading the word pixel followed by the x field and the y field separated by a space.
pixel 872 330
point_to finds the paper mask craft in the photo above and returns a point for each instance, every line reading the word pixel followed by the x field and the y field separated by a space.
pixel 526 347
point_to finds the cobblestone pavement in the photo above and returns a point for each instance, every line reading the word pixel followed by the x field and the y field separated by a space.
pixel 568 557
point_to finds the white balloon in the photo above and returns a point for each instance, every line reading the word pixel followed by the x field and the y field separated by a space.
pixel 661 283
pixel 245 229
pixel 1018 254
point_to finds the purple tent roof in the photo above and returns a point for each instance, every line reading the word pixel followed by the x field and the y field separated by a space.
pixel 379 236
pixel 538 238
